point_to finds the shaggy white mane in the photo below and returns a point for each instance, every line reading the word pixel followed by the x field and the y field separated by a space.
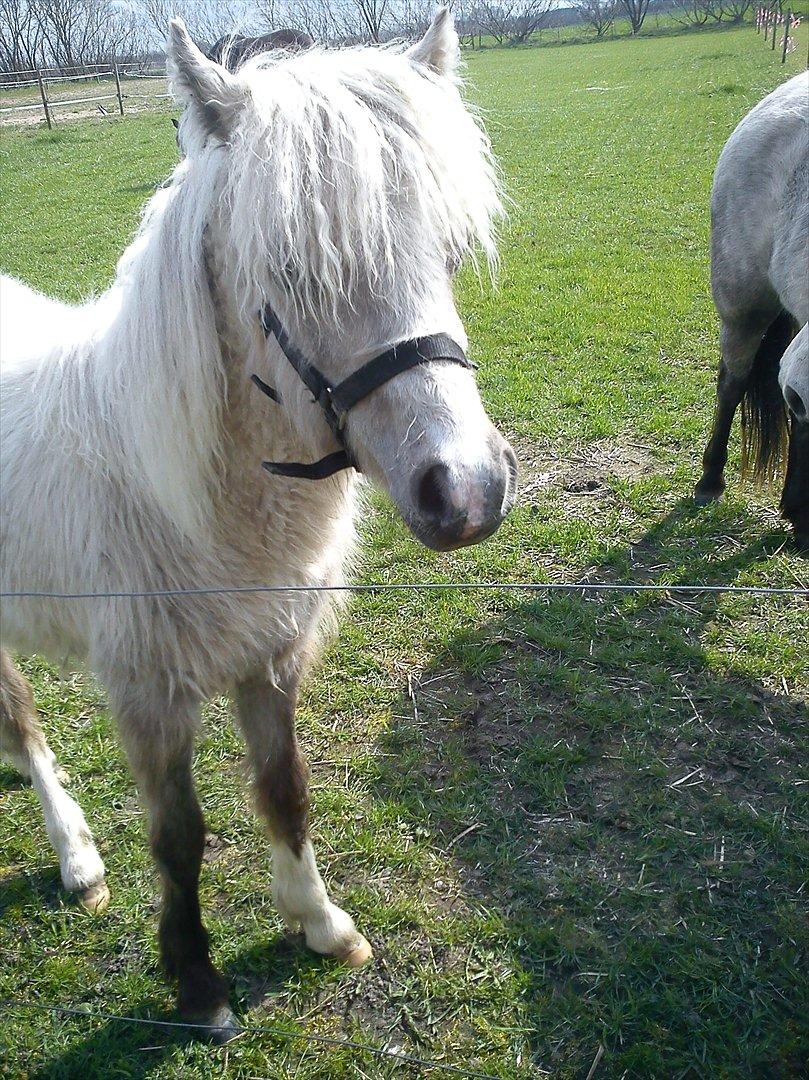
pixel 334 159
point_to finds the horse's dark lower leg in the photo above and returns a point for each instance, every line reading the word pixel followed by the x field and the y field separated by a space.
pixel 751 347
pixel 795 497
pixel 161 761
pixel 267 717
pixel 729 393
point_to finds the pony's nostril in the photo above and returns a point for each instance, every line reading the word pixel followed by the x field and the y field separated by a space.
pixel 795 402
pixel 431 491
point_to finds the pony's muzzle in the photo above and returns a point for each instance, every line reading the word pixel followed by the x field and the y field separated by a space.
pixel 456 505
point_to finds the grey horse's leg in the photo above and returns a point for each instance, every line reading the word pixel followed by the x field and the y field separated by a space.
pixel 739 341
pixel 795 497
pixel 160 749
pixel 267 716
pixel 22 742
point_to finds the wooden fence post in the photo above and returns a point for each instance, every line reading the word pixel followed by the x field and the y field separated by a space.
pixel 786 36
pixel 44 98
pixel 118 89
pixel 776 12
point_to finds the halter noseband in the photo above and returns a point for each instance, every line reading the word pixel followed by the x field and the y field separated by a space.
pixel 337 401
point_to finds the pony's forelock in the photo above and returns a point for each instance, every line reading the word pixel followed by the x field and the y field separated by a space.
pixel 348 168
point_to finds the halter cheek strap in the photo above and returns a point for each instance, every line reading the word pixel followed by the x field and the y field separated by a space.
pixel 336 401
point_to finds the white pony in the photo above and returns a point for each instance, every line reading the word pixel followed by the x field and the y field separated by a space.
pixel 337 192
pixel 760 281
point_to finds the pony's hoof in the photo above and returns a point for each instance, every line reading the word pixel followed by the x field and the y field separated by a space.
pixel 358 955
pixel 220 1028
pixel 94 898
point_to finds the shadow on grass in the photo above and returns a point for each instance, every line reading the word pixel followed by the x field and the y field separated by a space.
pixel 10 779
pixel 626 804
pixel 147 187
pixel 115 1048
pixel 19 890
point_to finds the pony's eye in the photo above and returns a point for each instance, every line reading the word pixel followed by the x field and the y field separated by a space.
pixel 454 262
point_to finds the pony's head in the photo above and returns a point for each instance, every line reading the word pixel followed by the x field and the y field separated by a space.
pixel 350 186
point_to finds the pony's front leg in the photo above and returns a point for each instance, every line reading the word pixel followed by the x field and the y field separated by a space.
pixel 22 740
pixel 160 750
pixel 267 717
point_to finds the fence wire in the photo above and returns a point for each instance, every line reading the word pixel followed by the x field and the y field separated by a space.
pixel 394 1056
pixel 416 586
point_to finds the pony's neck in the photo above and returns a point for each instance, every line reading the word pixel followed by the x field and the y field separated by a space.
pixel 160 379
pixel 175 376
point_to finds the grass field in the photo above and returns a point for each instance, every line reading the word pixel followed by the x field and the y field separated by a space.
pixel 565 824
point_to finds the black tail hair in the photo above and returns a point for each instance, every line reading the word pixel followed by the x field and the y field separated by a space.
pixel 765 432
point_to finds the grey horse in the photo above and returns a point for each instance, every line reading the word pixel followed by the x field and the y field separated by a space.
pixel 232 50
pixel 760 284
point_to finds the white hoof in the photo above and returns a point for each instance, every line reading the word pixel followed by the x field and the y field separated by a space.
pixel 357 956
pixel 95 898
pixel 333 933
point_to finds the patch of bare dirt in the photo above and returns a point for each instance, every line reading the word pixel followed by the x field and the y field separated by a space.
pixel 584 475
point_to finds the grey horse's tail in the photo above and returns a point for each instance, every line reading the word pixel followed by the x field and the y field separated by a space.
pixel 765 433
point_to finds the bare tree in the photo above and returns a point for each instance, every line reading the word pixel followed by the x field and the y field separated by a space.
pixel 693 12
pixel 600 14
pixel 270 13
pixel 206 20
pixel 733 10
pixel 21 40
pixel 372 15
pixel 512 21
pixel 636 11
pixel 410 18
pixel 313 16
pixel 77 32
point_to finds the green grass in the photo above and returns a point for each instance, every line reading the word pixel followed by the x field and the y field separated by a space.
pixel 594 899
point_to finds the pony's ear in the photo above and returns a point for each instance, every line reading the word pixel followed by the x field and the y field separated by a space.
pixel 201 84
pixel 438 49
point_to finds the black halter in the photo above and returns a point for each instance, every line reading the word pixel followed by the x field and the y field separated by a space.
pixel 337 401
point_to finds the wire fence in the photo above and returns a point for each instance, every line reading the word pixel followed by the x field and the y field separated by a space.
pixel 131 86
pixel 774 25
pixel 395 1056
pixel 416 586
